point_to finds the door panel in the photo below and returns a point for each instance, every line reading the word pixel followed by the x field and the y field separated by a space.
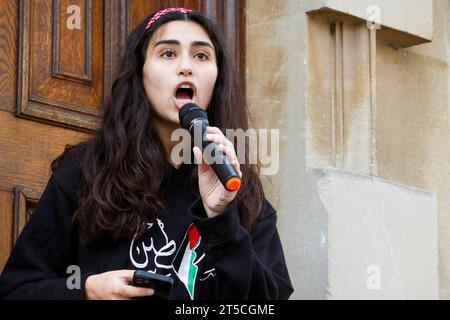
pixel 8 54
pixel 61 69
pixel 26 150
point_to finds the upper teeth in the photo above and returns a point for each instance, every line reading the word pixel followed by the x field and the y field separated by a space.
pixel 185 86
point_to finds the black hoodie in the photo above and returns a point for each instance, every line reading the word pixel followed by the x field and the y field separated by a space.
pixel 208 258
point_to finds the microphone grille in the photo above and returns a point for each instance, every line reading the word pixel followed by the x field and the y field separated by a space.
pixel 190 112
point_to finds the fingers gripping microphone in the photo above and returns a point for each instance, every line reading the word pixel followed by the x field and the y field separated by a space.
pixel 194 119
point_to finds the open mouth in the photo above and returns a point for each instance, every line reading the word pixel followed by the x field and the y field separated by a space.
pixel 185 92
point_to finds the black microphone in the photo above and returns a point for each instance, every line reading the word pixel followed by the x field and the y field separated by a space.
pixel 194 119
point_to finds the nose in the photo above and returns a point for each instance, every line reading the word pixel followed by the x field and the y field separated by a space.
pixel 185 66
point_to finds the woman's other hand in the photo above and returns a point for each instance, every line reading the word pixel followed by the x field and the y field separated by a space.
pixel 113 285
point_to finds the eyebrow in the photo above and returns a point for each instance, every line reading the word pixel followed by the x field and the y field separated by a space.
pixel 176 42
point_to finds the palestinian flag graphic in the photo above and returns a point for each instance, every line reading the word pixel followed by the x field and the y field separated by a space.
pixel 186 259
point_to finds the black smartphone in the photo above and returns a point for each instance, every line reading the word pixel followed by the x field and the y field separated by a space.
pixel 161 284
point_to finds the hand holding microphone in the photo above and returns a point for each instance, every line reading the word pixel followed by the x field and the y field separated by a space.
pixel 219 180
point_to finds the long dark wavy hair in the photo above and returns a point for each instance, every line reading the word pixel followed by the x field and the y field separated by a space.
pixel 124 163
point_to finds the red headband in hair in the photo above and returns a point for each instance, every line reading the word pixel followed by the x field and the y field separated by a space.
pixel 160 13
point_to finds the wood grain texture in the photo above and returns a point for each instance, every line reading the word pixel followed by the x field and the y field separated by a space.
pixel 27 149
pixel 72 49
pixel 8 53
pixel 65 73
pixel 15 210
pixel 43 96
pixel 115 33
pixel 6 230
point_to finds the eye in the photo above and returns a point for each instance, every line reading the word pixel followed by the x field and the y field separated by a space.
pixel 201 56
pixel 168 54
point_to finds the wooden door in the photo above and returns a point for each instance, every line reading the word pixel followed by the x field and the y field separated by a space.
pixel 57 59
